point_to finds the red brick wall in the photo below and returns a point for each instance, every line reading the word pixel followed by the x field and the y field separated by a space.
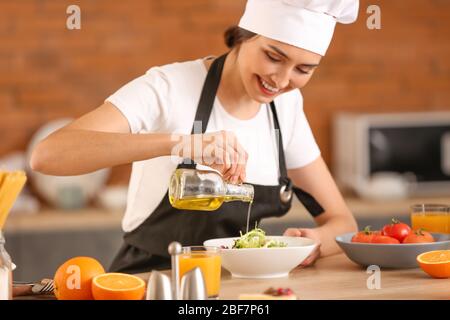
pixel 47 71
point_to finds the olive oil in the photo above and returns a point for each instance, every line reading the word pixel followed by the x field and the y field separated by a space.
pixel 191 189
pixel 194 203
pixel 248 215
pixel 204 203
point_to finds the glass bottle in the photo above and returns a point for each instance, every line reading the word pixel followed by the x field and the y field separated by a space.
pixel 5 271
pixel 205 190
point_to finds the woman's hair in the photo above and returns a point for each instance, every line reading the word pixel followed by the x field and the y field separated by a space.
pixel 235 35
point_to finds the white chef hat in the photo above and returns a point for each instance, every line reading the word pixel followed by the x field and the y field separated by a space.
pixel 307 24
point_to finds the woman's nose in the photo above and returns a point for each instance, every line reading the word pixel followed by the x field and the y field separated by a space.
pixel 281 79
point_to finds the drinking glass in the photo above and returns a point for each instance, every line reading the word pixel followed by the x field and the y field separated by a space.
pixel 209 261
pixel 431 217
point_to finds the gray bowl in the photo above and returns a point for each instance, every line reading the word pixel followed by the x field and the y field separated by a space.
pixel 399 256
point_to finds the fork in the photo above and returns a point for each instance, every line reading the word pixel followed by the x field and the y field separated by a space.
pixel 46 286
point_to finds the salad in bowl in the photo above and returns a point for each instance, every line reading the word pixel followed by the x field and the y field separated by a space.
pixel 256 255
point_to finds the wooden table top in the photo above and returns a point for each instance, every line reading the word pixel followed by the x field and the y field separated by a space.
pixel 336 277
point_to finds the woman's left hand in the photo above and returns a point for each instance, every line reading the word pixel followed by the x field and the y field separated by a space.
pixel 307 233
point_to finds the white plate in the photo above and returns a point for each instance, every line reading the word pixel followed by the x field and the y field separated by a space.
pixel 263 263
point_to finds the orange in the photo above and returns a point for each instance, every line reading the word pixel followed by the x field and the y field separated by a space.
pixel 117 286
pixel 73 279
pixel 435 263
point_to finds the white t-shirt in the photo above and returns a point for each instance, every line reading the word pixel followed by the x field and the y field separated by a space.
pixel 165 100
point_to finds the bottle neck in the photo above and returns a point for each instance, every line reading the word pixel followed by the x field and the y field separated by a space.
pixel 243 192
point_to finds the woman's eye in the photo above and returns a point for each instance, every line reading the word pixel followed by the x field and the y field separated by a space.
pixel 272 58
pixel 302 71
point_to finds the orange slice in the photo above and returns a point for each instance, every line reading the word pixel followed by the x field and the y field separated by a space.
pixel 117 286
pixel 435 263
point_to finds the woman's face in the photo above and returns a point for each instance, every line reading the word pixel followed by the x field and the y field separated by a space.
pixel 269 68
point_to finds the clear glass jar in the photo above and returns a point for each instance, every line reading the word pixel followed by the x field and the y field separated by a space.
pixel 5 271
pixel 191 189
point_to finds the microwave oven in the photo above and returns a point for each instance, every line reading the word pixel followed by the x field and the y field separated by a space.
pixel 412 146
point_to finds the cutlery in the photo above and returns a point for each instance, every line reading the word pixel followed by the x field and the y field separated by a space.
pixel 46 286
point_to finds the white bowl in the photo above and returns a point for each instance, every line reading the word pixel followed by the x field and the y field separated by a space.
pixel 262 263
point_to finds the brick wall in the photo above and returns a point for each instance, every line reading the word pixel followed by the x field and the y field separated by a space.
pixel 47 71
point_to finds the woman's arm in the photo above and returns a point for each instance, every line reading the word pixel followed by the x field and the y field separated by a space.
pixel 99 139
pixel 315 178
pixel 102 138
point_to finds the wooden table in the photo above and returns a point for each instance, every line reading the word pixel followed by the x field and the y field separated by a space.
pixel 336 277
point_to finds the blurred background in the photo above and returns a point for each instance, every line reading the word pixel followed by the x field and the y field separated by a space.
pixel 49 74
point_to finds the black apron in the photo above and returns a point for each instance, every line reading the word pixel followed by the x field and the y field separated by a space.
pixel 145 248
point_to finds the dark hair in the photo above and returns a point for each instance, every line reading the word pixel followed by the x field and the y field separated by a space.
pixel 235 35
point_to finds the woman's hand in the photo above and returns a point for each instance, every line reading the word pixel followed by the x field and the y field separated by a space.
pixel 221 151
pixel 307 233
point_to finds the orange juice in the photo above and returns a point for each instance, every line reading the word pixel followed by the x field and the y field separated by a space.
pixel 432 218
pixel 431 222
pixel 210 265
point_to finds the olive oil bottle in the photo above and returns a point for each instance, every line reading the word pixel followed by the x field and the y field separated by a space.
pixel 204 190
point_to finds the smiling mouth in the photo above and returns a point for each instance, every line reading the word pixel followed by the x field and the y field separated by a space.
pixel 267 88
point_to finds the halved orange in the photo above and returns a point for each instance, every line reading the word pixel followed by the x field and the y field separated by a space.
pixel 435 263
pixel 117 286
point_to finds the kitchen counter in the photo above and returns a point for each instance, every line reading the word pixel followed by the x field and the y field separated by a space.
pixel 337 277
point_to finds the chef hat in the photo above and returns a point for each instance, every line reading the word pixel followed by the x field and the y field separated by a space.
pixel 307 24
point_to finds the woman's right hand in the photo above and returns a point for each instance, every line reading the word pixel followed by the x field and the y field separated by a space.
pixel 221 151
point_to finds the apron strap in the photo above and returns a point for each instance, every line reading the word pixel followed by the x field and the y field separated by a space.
pixel 308 201
pixel 208 95
pixel 206 103
pixel 280 145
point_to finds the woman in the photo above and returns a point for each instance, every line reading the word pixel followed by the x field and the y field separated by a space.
pixel 245 106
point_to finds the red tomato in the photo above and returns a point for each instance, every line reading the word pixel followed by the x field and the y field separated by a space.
pixel 397 230
pixel 384 239
pixel 419 236
pixel 364 236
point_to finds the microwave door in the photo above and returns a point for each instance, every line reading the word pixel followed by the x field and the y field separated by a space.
pixel 413 150
pixel 446 153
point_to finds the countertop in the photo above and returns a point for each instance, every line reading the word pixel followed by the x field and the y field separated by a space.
pixel 337 277
pixel 334 278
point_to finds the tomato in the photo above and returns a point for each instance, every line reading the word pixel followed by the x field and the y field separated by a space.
pixel 419 236
pixel 384 239
pixel 364 236
pixel 397 230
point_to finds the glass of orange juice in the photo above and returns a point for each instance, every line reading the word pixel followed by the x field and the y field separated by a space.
pixel 209 261
pixel 431 217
